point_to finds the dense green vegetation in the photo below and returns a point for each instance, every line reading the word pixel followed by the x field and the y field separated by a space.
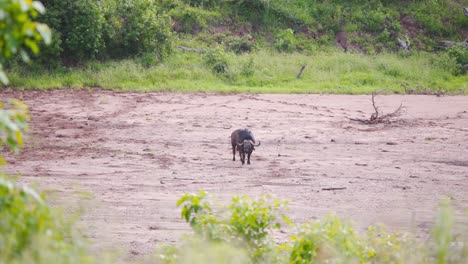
pixel 244 232
pixel 19 34
pixel 251 46
pixel 32 232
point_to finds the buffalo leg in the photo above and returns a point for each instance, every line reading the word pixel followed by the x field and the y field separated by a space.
pixel 234 152
pixel 248 158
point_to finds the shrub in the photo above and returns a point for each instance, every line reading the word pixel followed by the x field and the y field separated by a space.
pixel 216 59
pixel 327 240
pixel 136 28
pixel 460 54
pixel 80 25
pixel 248 68
pixel 203 3
pixel 19 34
pixel 30 232
pixel 333 240
pixel 253 10
pixel 189 19
pixel 13 122
pixel 373 20
pixel 245 227
pixel 241 45
pixel 148 59
pixel 285 41
pixel 329 17
pixel 245 223
pixel 447 63
pixel 453 60
pixel 197 250
pixel 50 54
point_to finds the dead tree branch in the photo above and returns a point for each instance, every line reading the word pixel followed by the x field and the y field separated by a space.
pixel 404 44
pixel 300 72
pixel 378 116
pixel 334 189
pixel 191 49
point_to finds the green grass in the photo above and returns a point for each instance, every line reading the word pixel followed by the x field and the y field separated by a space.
pixel 271 72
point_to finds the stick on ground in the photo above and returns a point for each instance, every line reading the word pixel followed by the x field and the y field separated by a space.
pixel 300 72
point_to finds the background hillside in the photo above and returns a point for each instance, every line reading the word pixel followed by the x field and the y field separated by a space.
pixel 236 41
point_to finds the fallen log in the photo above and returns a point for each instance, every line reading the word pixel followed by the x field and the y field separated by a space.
pixel 333 189
pixel 191 49
pixel 300 72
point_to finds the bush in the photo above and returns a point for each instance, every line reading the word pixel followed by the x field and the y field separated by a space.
pixel 80 26
pixel 30 232
pixel 335 241
pixel 197 250
pixel 245 227
pixel 241 45
pixel 447 63
pixel 203 3
pixel 148 59
pixel 19 34
pixel 245 223
pixel 454 60
pixel 216 59
pixel 285 41
pixel 50 54
pixel 248 68
pixel 189 19
pixel 459 53
pixel 13 122
pixel 329 17
pixel 253 10
pixel 372 20
pixel 136 27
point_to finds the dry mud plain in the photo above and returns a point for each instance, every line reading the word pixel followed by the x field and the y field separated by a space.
pixel 127 157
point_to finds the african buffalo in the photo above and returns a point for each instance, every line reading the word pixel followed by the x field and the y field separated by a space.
pixel 243 140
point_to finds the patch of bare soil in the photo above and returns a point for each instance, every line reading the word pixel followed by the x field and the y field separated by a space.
pixel 127 158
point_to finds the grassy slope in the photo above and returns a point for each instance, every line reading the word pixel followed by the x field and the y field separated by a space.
pixel 326 72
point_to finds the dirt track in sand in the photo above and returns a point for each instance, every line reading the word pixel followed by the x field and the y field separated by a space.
pixel 127 157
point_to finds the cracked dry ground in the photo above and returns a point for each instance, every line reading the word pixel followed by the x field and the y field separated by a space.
pixel 127 157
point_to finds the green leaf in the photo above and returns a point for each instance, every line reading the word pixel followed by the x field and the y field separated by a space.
pixel 45 32
pixel 25 56
pixel 3 77
pixel 39 7
pixel 24 5
pixel 19 138
pixel 32 45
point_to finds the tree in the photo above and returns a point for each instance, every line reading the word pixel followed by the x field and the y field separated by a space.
pixel 19 34
pixel 13 121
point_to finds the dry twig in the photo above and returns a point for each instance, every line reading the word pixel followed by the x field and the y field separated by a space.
pixel 378 116
pixel 300 72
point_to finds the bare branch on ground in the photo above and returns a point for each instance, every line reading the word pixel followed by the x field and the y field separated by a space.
pixel 378 117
